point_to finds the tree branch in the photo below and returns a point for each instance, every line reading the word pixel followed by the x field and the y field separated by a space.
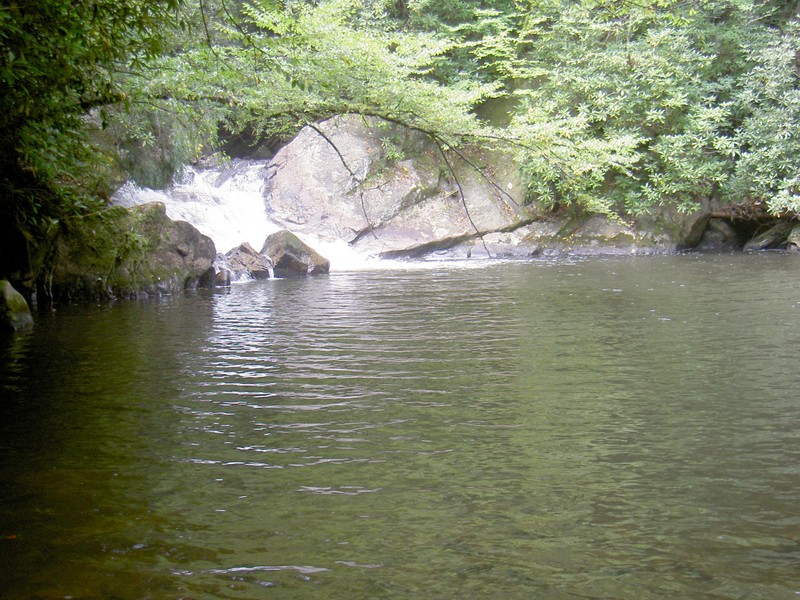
pixel 359 183
pixel 439 145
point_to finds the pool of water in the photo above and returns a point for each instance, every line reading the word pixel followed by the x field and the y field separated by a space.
pixel 625 428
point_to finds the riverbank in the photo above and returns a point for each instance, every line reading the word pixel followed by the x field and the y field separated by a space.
pixel 409 204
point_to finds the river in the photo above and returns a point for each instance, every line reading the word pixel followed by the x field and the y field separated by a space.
pixel 598 428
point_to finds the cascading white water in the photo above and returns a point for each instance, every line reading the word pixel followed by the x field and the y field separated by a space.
pixel 226 203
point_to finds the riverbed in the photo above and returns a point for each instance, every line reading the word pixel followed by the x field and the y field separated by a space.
pixel 596 428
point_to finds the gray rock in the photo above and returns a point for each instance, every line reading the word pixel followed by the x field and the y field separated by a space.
pixel 15 315
pixel 386 190
pixel 291 257
pixel 774 237
pixel 719 236
pixel 245 260
pixel 793 241
pixel 589 235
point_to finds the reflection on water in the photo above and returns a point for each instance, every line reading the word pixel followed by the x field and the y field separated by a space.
pixel 590 429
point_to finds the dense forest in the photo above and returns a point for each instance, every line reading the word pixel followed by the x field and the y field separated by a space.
pixel 611 106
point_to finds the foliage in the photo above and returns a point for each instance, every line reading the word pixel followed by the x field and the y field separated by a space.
pixel 58 62
pixel 636 105
pixel 302 63
pixel 769 134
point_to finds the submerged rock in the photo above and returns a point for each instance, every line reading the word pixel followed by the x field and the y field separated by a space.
pixel 128 253
pixel 291 257
pixel 15 315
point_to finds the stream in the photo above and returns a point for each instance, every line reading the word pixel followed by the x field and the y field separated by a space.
pixel 597 428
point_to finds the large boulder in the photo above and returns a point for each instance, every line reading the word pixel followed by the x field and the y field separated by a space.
pixel 386 190
pixel 15 315
pixel 128 253
pixel 291 257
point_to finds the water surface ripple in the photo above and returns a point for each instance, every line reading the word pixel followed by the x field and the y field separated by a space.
pixel 585 429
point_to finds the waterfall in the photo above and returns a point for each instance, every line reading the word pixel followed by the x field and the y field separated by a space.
pixel 226 203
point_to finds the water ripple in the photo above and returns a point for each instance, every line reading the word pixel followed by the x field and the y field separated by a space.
pixel 620 429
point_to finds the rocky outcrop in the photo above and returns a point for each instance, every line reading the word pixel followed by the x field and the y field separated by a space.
pixel 389 192
pixel 595 235
pixel 291 257
pixel 15 315
pixel 128 253
pixel 386 190
pixel 589 235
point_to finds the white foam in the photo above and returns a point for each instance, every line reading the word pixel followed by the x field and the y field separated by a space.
pixel 227 204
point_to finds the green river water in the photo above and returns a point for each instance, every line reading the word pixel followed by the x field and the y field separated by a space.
pixel 625 428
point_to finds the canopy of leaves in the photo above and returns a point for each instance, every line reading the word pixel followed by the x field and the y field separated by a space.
pixel 274 69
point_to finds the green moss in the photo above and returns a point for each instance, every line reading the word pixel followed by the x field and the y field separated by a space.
pixel 123 253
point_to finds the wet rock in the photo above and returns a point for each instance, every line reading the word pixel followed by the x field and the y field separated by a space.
pixel 15 315
pixel 128 253
pixel 246 261
pixel 223 274
pixel 291 257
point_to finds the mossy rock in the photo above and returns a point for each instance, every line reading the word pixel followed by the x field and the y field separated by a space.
pixel 127 253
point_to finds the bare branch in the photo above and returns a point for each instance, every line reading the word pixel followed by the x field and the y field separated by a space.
pixel 439 145
pixel 359 182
